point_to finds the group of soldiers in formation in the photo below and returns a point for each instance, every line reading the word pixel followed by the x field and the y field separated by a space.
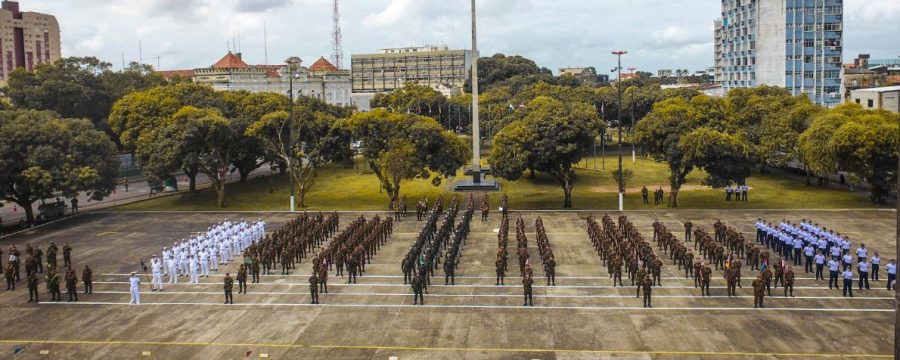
pixel 813 243
pixel 353 248
pixel 35 266
pixel 621 244
pixel 448 238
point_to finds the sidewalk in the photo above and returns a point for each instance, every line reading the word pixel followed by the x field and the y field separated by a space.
pixel 12 213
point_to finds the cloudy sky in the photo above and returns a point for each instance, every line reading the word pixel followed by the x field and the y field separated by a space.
pixel 186 34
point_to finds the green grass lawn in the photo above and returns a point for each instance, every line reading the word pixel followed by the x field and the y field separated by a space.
pixel 339 188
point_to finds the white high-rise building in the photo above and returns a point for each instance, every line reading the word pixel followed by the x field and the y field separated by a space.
pixel 795 44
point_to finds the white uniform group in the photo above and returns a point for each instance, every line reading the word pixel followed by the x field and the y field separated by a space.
pixel 197 256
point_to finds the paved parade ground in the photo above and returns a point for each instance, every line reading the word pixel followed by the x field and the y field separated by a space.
pixel 582 317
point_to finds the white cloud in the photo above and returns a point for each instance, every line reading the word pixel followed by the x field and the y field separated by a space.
pixel 193 33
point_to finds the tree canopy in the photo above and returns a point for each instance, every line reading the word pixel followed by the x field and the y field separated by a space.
pixel 551 137
pixel 405 146
pixel 43 155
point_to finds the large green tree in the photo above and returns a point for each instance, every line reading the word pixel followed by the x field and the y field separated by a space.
pixel 78 87
pixel 43 155
pixel 303 140
pixel 387 138
pixel 551 138
pixel 862 142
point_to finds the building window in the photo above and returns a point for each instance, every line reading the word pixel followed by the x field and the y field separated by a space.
pixel 871 103
pixel 857 101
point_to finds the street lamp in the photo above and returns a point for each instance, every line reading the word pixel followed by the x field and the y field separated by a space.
pixel 633 121
pixel 621 178
pixel 292 63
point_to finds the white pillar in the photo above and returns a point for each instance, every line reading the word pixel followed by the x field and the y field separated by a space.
pixel 476 128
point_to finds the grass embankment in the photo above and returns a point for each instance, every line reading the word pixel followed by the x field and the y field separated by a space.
pixel 339 188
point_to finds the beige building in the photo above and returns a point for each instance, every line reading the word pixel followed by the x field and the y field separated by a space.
pixel 437 66
pixel 886 98
pixel 26 39
pixel 321 80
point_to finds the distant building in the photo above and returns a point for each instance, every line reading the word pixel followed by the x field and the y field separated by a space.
pixel 795 44
pixel 587 75
pixel 439 67
pixel 865 72
pixel 664 73
pixel 27 39
pixel 886 98
pixel 321 80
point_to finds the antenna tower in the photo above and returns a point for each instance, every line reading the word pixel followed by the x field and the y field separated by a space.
pixel 337 53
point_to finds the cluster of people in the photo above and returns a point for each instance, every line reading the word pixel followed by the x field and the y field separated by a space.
pixel 621 244
pixel 546 252
pixel 399 207
pixel 525 269
pixel 736 193
pixel 819 247
pixel 502 253
pixel 196 256
pixel 658 196
pixel 54 278
pixel 413 268
pixel 455 246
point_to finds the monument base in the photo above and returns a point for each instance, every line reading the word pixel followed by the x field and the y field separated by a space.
pixel 470 185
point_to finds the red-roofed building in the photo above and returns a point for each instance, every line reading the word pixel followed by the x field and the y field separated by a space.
pixel 321 80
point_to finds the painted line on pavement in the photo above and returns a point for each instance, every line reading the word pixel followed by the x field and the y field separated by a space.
pixel 441 349
pixel 509 295
pixel 846 310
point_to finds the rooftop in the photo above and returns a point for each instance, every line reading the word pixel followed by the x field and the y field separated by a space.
pixel 881 89
pixel 230 61
pixel 322 65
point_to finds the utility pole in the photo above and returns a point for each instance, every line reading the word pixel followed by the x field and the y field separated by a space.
pixel 621 177
pixel 633 121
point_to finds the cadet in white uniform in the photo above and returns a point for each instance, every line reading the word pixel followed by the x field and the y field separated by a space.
pixel 156 268
pixel 135 289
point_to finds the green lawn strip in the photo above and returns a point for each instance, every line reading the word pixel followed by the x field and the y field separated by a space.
pixel 339 188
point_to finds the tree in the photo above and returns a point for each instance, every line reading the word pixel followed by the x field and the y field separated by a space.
pixel 659 135
pixel 513 71
pixel 77 87
pixel 725 157
pixel 387 137
pixel 244 108
pixel 303 140
pixel 141 112
pixel 416 99
pixel 213 138
pixel 553 136
pixel 863 142
pixel 43 155
pixel 780 134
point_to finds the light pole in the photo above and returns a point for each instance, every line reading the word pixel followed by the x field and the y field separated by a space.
pixel 476 131
pixel 292 63
pixel 621 178
pixel 633 121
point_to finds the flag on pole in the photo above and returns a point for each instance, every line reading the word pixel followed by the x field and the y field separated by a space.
pixel 248 353
pixel 144 267
pixel 18 350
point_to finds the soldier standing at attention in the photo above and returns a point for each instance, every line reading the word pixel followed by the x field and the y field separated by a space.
pixel 418 285
pixel 731 279
pixel 39 258
pixel 767 280
pixel 32 288
pixel 134 285
pixel 10 273
pixel 644 194
pixel 314 288
pixel 526 284
pixel 688 261
pixel 501 271
pixel 833 266
pixel 229 286
pixel 759 291
pixel 848 282
pixel 323 278
pixel 71 282
pixel 87 277
pixel 67 254
pixel 449 275
pixel 789 281
pixel 53 285
pixel 687 230
pixel 242 279
pixel 647 284
pixel 51 255
pixel 705 274
pixel 820 264
pixel 863 268
pixel 485 208
pixel 891 269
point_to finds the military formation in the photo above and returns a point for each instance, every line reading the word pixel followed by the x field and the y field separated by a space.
pixel 54 277
pixel 620 244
